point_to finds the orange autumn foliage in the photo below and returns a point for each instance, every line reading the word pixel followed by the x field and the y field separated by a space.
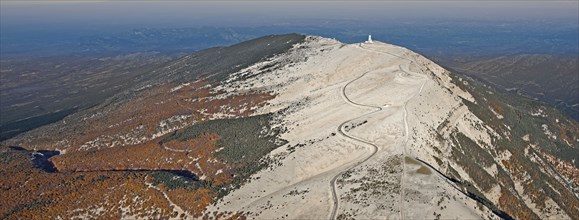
pixel 95 172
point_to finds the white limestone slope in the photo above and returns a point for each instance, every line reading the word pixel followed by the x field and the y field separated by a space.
pixel 351 113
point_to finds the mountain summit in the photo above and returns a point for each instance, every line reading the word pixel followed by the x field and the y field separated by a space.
pixel 300 127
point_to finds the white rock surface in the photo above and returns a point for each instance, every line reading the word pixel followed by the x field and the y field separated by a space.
pixel 357 110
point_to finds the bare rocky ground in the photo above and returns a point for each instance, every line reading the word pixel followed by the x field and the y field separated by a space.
pixel 349 109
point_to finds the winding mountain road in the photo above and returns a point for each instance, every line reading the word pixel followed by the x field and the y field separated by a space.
pixel 341 131
pixel 374 148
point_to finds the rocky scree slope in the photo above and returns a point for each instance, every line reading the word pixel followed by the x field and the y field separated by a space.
pixel 396 135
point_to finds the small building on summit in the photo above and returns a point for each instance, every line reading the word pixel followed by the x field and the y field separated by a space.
pixel 369 39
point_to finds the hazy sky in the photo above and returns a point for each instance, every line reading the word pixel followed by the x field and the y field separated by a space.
pixel 243 13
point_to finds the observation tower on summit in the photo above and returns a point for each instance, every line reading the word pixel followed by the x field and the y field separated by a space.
pixel 369 39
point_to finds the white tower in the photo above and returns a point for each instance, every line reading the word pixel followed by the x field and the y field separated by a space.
pixel 369 39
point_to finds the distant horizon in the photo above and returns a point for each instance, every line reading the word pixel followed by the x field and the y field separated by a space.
pixel 258 13
pixel 429 26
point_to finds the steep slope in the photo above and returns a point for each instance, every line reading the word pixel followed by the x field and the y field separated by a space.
pixel 515 152
pixel 311 129
pixel 398 136
pixel 345 110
